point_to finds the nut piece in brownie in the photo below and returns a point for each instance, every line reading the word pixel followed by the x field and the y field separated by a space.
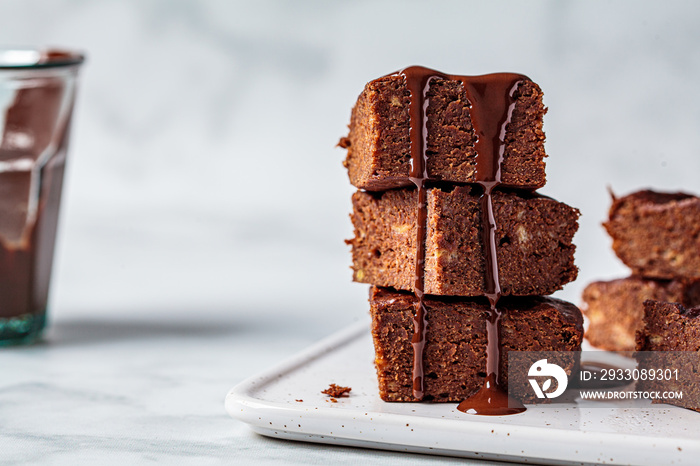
pixel 657 234
pixel 535 253
pixel 378 143
pixel 454 357
pixel 672 332
pixel 615 308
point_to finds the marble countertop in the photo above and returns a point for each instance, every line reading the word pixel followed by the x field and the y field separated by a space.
pixel 201 237
pixel 139 388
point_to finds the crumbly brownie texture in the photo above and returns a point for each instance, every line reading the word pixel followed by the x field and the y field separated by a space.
pixel 535 253
pixel 615 308
pixel 336 391
pixel 667 329
pixel 656 234
pixel 454 358
pixel 378 143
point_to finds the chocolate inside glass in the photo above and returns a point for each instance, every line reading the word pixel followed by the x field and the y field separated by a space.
pixel 37 91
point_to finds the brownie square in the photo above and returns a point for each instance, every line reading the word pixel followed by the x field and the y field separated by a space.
pixel 454 358
pixel 378 143
pixel 673 329
pixel 656 234
pixel 535 253
pixel 615 308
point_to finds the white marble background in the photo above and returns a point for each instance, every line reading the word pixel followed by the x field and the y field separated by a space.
pixel 206 204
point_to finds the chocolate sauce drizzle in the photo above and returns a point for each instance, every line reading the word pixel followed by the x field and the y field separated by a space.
pixel 492 103
pixel 418 83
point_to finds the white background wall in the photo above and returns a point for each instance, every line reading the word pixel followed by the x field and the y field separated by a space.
pixel 203 173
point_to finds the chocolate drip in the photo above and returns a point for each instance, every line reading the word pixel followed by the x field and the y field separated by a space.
pixel 492 109
pixel 492 103
pixel 418 82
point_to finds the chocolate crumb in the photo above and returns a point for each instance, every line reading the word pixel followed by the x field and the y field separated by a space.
pixel 336 391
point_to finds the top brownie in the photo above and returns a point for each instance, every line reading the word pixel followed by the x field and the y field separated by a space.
pixel 378 143
pixel 656 234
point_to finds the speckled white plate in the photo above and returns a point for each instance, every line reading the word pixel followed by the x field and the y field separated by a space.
pixel 287 402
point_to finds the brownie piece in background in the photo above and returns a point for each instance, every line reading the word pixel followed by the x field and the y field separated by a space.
pixel 454 357
pixel 673 330
pixel 535 253
pixel 657 235
pixel 669 327
pixel 378 142
pixel 615 308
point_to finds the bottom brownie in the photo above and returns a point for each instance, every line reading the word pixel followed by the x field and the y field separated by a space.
pixel 614 308
pixel 454 359
pixel 672 332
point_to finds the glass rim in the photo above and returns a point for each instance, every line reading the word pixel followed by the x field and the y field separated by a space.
pixel 23 58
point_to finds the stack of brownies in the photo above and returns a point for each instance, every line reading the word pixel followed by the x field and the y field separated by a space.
pixel 451 234
pixel 657 235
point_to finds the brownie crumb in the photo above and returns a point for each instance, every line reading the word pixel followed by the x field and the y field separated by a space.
pixel 336 391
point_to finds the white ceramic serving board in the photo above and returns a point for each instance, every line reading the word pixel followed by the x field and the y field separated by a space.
pixel 287 402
